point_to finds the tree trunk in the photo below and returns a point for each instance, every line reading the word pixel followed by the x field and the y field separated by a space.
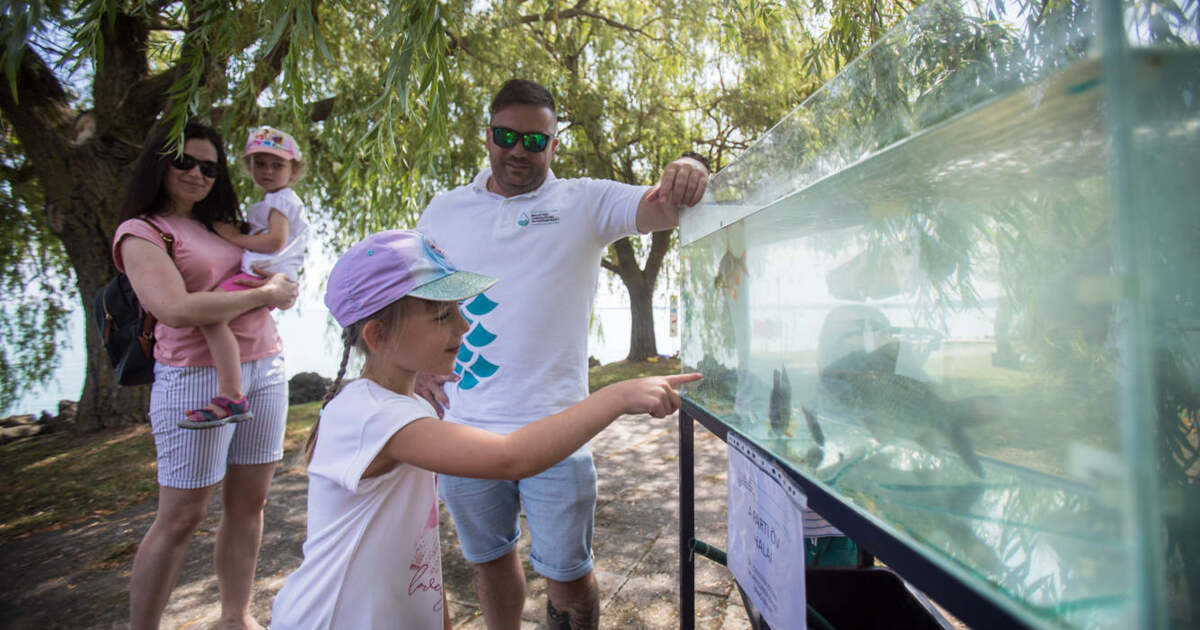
pixel 642 343
pixel 103 403
pixel 640 283
pixel 86 228
pixel 81 168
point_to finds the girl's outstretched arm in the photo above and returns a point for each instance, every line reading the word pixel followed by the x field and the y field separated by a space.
pixel 462 451
pixel 267 242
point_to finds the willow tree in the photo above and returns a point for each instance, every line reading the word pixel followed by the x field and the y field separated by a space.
pixel 638 83
pixel 85 83
pixel 389 99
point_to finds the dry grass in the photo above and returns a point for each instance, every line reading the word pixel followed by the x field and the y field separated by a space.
pixel 609 373
pixel 58 480
pixel 61 479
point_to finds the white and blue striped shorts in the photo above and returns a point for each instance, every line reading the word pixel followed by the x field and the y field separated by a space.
pixel 197 458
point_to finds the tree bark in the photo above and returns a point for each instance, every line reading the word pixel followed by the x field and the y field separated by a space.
pixel 642 343
pixel 640 283
pixel 103 403
pixel 81 179
pixel 83 189
pixel 82 170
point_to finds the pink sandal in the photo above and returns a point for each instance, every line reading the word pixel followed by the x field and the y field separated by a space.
pixel 235 411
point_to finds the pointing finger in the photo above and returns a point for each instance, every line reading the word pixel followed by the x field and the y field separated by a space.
pixel 675 380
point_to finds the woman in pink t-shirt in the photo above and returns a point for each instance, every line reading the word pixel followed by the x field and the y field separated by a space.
pixel 182 197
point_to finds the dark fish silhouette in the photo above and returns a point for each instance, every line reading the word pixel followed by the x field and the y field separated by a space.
pixel 866 385
pixel 779 409
pixel 813 426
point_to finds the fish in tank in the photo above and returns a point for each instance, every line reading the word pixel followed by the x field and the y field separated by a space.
pixel 978 281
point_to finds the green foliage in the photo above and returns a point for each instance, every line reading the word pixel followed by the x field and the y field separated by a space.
pixel 389 99
pixel 853 25
pixel 35 273
pixel 19 22
pixel 382 153
pixel 87 31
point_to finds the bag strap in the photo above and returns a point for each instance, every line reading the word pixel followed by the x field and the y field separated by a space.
pixel 167 238
pixel 145 338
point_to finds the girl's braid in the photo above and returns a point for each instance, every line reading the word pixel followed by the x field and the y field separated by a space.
pixel 349 335
pixel 352 337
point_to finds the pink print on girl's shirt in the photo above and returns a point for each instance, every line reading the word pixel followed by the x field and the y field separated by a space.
pixel 426 566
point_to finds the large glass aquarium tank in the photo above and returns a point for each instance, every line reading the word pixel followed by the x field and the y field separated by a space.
pixel 959 288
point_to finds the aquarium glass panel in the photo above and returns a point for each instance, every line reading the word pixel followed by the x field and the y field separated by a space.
pixel 959 287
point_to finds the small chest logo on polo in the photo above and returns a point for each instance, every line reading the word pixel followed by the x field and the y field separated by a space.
pixel 538 217
pixel 471 366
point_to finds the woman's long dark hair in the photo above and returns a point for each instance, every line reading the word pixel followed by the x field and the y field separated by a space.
pixel 146 194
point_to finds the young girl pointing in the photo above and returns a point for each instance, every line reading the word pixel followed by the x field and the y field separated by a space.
pixel 371 557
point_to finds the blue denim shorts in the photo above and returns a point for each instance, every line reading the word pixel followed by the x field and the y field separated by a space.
pixel 559 503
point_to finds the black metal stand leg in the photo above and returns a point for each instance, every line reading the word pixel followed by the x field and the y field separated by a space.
pixel 687 525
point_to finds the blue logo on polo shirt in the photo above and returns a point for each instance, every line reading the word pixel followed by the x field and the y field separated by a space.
pixel 470 365
pixel 539 217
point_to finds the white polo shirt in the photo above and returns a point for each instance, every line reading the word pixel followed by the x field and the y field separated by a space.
pixel 525 356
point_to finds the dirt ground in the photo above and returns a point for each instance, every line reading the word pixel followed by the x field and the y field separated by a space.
pixel 77 577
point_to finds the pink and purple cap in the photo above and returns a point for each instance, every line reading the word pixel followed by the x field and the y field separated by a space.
pixel 387 266
pixel 273 141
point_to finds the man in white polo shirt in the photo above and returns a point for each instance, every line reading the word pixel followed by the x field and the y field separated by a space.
pixel 525 356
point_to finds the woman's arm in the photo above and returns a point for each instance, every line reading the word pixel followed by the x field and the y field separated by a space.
pixel 267 242
pixel 160 290
pixel 462 451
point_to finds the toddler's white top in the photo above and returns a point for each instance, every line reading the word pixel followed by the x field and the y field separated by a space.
pixel 288 259
pixel 371 556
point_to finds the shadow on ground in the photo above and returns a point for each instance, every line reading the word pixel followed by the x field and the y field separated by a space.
pixel 77 577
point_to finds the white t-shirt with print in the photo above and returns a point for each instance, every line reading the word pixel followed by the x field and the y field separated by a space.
pixel 525 356
pixel 291 256
pixel 371 556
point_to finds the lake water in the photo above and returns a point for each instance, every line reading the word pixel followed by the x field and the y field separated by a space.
pixel 311 344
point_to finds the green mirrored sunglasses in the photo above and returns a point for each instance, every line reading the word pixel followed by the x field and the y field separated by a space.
pixel 532 141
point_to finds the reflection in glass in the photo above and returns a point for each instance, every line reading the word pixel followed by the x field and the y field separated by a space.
pixel 957 283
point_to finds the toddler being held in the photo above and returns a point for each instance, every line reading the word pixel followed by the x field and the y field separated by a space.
pixel 274 240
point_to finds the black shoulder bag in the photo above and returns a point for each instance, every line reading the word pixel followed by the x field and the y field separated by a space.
pixel 126 329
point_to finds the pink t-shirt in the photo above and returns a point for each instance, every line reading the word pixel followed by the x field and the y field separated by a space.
pixel 204 260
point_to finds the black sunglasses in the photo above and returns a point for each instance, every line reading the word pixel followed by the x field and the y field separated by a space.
pixel 533 141
pixel 186 163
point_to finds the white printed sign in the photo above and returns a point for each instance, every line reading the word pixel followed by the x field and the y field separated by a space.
pixel 766 536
